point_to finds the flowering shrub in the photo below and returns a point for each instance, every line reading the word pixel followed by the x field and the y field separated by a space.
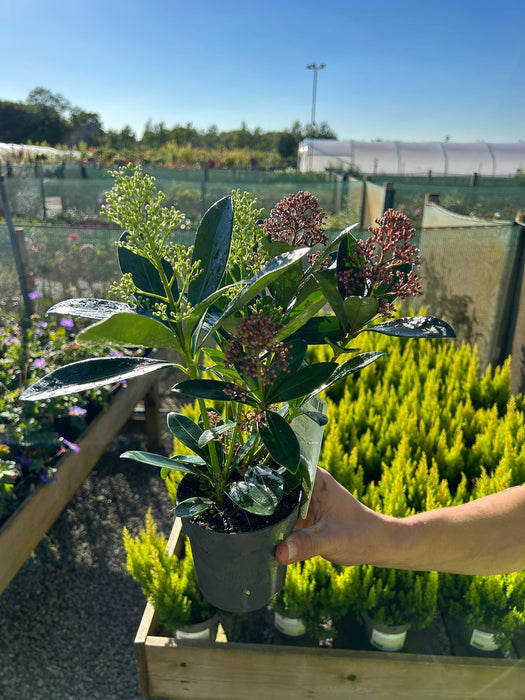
pixel 32 436
pixel 198 300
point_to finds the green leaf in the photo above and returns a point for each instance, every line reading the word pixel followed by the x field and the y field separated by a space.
pixel 335 244
pixel 359 310
pixel 192 506
pixel 343 263
pixel 97 309
pixel 280 441
pixel 270 478
pixel 317 329
pixel 162 462
pixel 302 382
pixel 354 364
pixel 129 330
pixel 257 283
pixel 415 327
pixel 328 283
pixel 255 498
pixel 188 432
pixel 302 309
pixel 145 275
pixel 319 418
pixel 90 374
pixel 214 390
pixel 216 432
pixel 212 248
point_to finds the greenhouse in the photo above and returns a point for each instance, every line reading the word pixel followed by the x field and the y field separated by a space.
pixel 412 158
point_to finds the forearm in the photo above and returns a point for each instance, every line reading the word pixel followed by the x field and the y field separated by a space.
pixel 485 536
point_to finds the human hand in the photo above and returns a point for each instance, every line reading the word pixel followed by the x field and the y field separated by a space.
pixel 337 527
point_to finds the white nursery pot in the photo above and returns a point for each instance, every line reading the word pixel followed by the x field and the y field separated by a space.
pixel 206 630
pixel 483 640
pixel 385 637
pixel 290 626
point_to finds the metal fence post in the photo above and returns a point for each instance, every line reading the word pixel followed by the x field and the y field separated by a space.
pixel 17 252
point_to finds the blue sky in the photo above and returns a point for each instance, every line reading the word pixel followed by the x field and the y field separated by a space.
pixel 411 70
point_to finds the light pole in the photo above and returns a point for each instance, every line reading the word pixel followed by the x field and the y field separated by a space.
pixel 316 68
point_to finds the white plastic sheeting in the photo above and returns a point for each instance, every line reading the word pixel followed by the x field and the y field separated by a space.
pixel 15 151
pixel 413 158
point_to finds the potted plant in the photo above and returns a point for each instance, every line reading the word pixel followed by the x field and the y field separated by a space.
pixel 240 308
pixel 169 583
pixel 309 601
pixel 490 608
pixel 390 602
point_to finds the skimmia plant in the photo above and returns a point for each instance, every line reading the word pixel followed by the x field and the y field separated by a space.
pixel 240 308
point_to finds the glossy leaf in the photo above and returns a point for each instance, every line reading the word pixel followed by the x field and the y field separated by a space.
pixel 212 248
pixel 187 432
pixel 335 244
pixel 254 498
pixel 214 390
pixel 216 432
pixel 317 329
pixel 192 506
pixel 302 382
pixel 343 263
pixel 359 310
pixel 162 462
pixel 354 364
pixel 145 276
pixel 328 283
pixel 302 309
pixel 97 309
pixel 280 441
pixel 260 474
pixel 129 329
pixel 257 283
pixel 415 327
pixel 90 374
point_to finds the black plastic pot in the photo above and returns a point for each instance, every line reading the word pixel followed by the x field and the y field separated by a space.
pixel 238 572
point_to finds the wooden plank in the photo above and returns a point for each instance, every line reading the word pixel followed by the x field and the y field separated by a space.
pixel 169 668
pixel 20 534
pixel 262 672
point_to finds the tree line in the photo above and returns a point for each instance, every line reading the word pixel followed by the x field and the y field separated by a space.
pixel 47 117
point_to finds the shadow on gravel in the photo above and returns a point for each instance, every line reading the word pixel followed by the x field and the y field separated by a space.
pixel 69 617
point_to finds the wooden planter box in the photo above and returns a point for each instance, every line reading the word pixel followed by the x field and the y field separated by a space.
pixel 20 534
pixel 168 668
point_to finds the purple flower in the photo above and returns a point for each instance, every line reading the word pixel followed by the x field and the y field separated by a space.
pixel 71 445
pixel 34 295
pixel 417 212
pixel 67 323
pixel 76 411
pixel 39 363
pixel 46 478
pixel 12 339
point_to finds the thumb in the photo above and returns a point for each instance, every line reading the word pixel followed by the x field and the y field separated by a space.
pixel 300 545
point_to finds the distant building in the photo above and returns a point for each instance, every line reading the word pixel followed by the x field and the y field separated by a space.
pixel 411 158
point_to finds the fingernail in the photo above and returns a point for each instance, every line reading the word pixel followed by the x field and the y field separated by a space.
pixel 291 550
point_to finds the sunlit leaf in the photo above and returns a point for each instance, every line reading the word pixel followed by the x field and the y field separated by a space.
pixel 212 248
pixel 415 327
pixel 97 309
pixel 192 506
pixel 129 329
pixel 90 374
pixel 280 441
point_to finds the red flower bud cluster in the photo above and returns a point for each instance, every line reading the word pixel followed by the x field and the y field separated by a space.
pixel 377 266
pixel 297 219
pixel 254 350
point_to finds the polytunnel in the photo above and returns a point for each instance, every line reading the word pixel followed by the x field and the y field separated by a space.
pixel 413 158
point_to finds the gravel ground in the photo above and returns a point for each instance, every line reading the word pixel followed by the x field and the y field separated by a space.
pixel 68 619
